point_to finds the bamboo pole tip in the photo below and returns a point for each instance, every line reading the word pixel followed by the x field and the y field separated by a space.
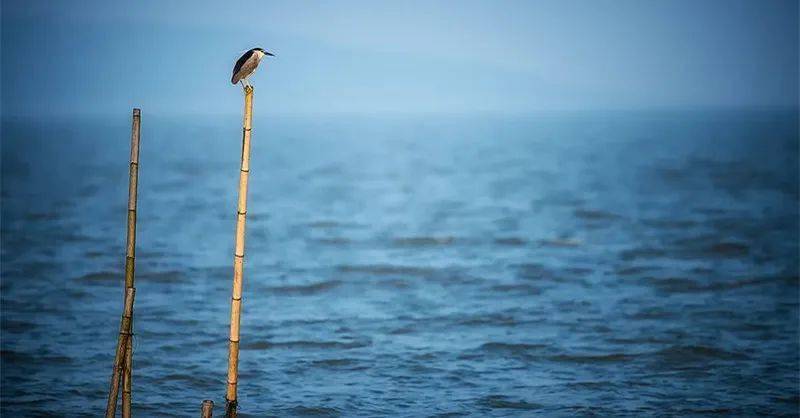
pixel 248 90
pixel 137 111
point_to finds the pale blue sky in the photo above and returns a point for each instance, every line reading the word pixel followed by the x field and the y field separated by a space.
pixel 171 57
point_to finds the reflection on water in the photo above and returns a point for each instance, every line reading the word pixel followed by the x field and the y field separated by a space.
pixel 609 263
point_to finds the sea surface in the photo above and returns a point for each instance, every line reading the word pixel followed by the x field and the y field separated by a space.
pixel 554 264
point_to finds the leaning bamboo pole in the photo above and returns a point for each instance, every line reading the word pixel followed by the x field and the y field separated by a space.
pixel 124 354
pixel 238 259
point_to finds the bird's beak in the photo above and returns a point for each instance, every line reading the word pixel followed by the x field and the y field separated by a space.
pixel 270 54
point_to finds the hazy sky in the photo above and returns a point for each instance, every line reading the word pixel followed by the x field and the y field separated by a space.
pixel 174 57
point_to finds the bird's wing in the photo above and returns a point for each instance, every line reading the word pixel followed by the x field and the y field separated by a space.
pixel 239 63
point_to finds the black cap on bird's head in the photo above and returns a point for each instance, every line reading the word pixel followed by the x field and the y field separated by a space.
pixel 264 52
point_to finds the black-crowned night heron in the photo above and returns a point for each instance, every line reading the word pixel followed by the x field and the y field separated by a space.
pixel 246 64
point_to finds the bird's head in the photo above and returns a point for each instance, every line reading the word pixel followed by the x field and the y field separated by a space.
pixel 261 53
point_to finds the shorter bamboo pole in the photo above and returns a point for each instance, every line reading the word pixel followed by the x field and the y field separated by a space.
pixel 122 345
pixel 127 373
pixel 207 409
pixel 231 401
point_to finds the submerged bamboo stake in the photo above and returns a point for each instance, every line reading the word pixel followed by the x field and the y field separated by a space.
pixel 238 259
pixel 207 410
pixel 124 355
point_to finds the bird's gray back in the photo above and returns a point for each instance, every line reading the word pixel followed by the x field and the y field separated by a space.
pixel 247 66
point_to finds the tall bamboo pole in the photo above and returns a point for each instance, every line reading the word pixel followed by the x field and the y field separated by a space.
pixel 124 354
pixel 130 259
pixel 238 259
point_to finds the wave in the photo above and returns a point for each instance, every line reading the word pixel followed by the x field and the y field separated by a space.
pixel 685 285
pixel 340 364
pixel 504 402
pixel 333 241
pixel 595 215
pixel 523 288
pixel 671 354
pixel 686 353
pixel 387 270
pixel 311 411
pixel 514 348
pixel 591 358
pixel 106 277
pixel 492 320
pixel 303 290
pixel 511 241
pixel 560 243
pixel 424 241
pixel 171 276
pixel 306 345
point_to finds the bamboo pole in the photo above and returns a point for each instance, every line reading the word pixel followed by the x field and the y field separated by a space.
pixel 124 354
pixel 122 344
pixel 127 372
pixel 207 410
pixel 130 259
pixel 238 259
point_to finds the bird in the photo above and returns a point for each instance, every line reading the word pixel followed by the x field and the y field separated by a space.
pixel 246 64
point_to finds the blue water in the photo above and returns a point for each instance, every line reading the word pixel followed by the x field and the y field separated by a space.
pixel 558 264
